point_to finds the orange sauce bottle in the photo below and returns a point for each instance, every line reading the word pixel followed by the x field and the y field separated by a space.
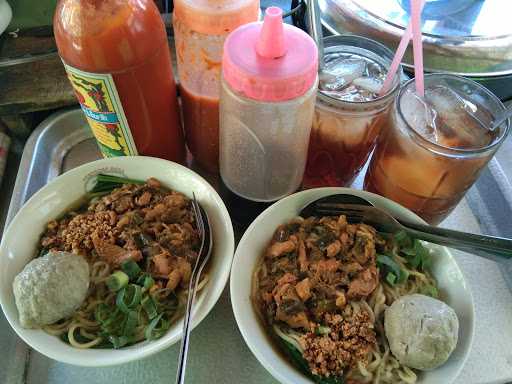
pixel 118 61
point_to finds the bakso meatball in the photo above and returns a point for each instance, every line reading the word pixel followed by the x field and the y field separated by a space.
pixel 50 288
pixel 422 331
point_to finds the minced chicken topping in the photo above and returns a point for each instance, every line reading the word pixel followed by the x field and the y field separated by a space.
pixel 314 274
pixel 144 223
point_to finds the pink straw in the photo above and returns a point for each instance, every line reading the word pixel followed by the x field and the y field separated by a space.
pixel 397 59
pixel 417 45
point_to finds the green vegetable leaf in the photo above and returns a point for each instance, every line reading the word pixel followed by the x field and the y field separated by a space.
pixel 403 240
pixel 107 183
pixel 386 263
pixel 425 260
pixel 296 357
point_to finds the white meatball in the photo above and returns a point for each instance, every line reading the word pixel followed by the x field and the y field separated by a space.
pixel 50 288
pixel 422 332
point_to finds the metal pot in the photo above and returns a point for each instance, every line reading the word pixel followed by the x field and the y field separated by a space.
pixel 472 38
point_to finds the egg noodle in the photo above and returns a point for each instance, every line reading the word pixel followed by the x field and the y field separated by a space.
pixel 380 367
pixel 141 243
pixel 83 321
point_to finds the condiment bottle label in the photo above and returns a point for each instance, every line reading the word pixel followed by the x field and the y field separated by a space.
pixel 100 102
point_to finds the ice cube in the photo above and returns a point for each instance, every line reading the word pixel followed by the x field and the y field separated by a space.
pixel 340 72
pixel 419 115
pixel 369 84
pixel 460 123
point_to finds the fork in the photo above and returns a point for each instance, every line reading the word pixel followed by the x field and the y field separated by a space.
pixel 205 250
pixel 494 248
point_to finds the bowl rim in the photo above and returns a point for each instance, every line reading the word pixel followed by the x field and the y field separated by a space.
pixel 237 301
pixel 145 348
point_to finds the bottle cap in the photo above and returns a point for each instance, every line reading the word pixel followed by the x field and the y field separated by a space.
pixel 270 61
pixel 216 17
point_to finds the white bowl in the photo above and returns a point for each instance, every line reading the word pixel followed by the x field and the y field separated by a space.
pixel 451 282
pixel 19 243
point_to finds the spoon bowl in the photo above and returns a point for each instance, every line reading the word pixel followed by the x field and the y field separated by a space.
pixel 358 209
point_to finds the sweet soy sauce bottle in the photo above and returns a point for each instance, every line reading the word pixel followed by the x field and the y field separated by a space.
pixel 117 59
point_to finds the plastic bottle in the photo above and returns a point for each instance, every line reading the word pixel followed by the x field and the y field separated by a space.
pixel 117 58
pixel 200 29
pixel 267 101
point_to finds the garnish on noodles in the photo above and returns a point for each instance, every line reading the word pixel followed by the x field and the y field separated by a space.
pixel 140 241
pixel 321 289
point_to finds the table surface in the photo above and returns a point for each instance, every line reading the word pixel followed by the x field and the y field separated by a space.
pixel 490 360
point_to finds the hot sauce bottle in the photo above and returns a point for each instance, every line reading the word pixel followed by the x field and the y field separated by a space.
pixel 118 61
pixel 200 29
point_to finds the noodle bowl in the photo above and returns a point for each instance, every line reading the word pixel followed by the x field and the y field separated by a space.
pixel 55 198
pixel 380 365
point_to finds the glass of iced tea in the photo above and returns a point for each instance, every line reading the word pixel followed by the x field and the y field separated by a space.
pixel 433 148
pixel 349 111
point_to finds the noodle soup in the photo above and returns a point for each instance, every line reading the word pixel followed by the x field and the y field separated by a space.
pixel 321 290
pixel 139 240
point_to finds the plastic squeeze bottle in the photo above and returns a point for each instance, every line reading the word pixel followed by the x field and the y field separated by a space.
pixel 200 29
pixel 117 59
pixel 269 85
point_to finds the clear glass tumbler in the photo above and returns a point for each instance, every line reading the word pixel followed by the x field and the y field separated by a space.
pixel 432 150
pixel 345 129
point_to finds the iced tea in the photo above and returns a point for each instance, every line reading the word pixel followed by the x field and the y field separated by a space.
pixel 349 112
pixel 433 148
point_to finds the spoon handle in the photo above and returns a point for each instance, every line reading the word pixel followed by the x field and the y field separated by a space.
pixel 490 247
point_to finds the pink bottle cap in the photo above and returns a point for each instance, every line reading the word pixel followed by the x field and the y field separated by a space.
pixel 270 61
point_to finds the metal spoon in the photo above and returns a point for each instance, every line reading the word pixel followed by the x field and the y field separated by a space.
pixel 315 29
pixel 205 251
pixel 501 118
pixel 358 209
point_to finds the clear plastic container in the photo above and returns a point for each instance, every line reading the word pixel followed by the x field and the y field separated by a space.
pixel 264 145
pixel 200 29
pixel 268 95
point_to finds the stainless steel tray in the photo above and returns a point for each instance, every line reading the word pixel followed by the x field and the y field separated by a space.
pixel 218 353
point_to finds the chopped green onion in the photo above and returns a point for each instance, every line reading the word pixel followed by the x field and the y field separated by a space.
pixel 131 268
pixel 131 321
pixel 117 280
pixel 404 275
pixel 148 282
pixel 119 341
pixel 321 330
pixel 391 278
pixel 149 306
pixel 102 313
pixel 156 328
pixel 129 297
pixel 430 290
